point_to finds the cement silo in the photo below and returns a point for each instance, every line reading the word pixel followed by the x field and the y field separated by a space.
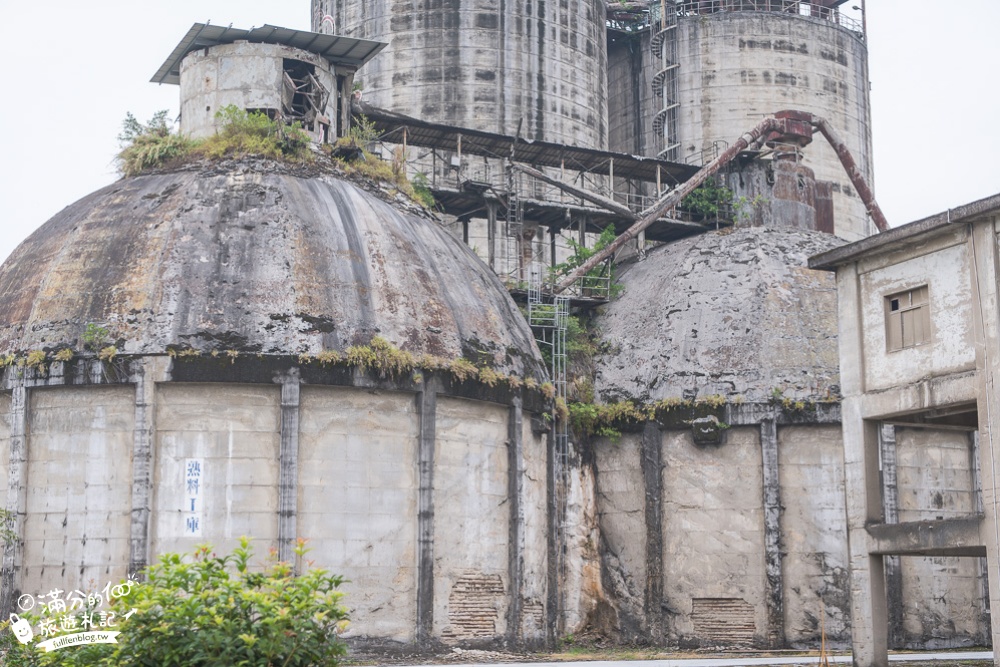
pixel 507 66
pixel 725 65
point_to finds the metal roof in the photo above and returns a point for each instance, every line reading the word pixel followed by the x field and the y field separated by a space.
pixel 390 125
pixel 335 48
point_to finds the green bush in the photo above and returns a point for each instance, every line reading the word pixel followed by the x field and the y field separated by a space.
pixel 254 133
pixel 149 146
pixel 709 200
pixel 211 610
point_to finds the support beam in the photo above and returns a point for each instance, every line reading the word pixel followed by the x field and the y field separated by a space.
pixel 604 203
pixel 426 437
pixel 147 373
pixel 652 478
pixel 491 232
pixel 772 534
pixel 515 545
pixel 288 464
pixel 893 566
pixel 942 537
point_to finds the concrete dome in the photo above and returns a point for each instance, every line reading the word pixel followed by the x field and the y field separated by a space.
pixel 731 313
pixel 272 263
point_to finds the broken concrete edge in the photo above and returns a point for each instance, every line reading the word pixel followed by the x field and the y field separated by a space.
pixel 267 369
pixel 906 234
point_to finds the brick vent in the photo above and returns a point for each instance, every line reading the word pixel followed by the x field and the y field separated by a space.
pixel 473 606
pixel 723 620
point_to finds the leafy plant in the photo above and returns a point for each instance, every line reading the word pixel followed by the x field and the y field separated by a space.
pixel 210 610
pixel 94 337
pixel 600 278
pixel 242 132
pixel 709 200
pixel 149 146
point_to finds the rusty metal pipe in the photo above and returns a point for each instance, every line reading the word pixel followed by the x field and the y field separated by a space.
pixel 860 184
pixel 672 198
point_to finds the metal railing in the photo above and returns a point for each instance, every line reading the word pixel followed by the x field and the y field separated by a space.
pixel 794 7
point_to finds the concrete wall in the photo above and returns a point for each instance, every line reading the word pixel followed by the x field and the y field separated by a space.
pixel 737 67
pixel 246 75
pixel 621 505
pixel 471 521
pixel 941 597
pixel 813 524
pixel 472 64
pixel 357 501
pixel 945 270
pixel 76 533
pixel 631 104
pixel 714 539
pixel 233 432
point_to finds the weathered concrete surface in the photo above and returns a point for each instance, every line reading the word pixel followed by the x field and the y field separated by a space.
pixel 738 66
pixel 621 512
pixel 584 600
pixel 951 348
pixel 534 66
pixel 813 524
pixel 245 75
pixel 735 314
pixel 259 262
pixel 471 521
pixel 357 502
pixel 233 431
pixel 79 488
pixel 631 102
pixel 714 533
pixel 941 595
pixel 534 586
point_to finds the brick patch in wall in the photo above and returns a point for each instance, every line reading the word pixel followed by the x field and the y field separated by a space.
pixel 473 607
pixel 724 620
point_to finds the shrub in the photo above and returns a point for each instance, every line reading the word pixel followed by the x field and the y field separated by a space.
pixel 149 146
pixel 213 610
pixel 254 133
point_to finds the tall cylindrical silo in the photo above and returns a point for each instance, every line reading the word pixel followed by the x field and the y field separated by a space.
pixel 726 65
pixel 538 66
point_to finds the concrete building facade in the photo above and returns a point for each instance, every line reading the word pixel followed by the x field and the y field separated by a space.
pixel 918 342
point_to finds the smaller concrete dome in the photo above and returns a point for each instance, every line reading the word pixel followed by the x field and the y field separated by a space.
pixel 731 313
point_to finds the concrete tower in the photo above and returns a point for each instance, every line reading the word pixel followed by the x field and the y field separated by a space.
pixel 537 67
pixel 725 65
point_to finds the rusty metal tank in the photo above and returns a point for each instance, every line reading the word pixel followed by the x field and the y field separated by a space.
pixel 499 66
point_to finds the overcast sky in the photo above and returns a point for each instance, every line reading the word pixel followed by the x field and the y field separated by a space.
pixel 71 70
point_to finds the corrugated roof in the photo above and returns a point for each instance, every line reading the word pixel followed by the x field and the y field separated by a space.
pixel 390 125
pixel 335 48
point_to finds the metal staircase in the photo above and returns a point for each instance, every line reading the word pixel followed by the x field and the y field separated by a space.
pixel 665 84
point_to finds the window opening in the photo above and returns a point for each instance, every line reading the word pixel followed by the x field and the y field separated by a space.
pixel 907 319
pixel 303 97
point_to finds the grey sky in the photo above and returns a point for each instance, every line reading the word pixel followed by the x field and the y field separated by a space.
pixel 71 70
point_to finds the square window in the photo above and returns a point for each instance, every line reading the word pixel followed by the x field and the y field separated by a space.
pixel 907 319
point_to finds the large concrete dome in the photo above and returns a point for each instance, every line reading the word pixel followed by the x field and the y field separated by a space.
pixel 731 313
pixel 259 262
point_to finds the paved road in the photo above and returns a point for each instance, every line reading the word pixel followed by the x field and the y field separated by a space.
pixel 750 662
